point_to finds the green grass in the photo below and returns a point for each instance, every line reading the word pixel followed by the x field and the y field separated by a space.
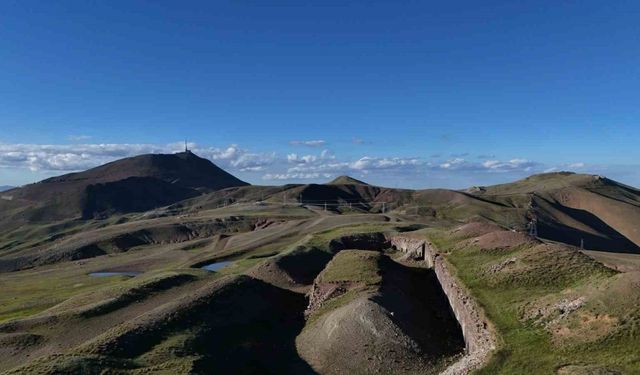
pixel 526 347
pixel 167 349
pixel 358 266
pixel 30 293
pixel 27 293
pixel 239 266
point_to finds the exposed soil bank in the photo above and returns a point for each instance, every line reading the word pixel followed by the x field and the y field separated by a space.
pixel 369 314
pixel 479 338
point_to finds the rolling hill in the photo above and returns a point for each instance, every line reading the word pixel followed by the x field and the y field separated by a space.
pixel 580 210
pixel 577 209
pixel 104 270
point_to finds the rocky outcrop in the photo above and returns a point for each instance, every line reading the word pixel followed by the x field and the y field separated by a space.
pixel 323 292
pixel 479 337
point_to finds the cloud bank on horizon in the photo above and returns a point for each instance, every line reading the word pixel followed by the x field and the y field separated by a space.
pixel 36 161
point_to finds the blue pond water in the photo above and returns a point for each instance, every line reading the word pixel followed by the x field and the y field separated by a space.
pixel 216 266
pixel 105 274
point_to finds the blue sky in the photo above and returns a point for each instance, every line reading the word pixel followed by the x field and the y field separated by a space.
pixel 412 94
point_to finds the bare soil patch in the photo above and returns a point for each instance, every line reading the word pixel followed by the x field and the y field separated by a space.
pixel 499 240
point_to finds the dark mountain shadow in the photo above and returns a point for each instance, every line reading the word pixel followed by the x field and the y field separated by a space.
pixel 610 241
pixel 133 194
pixel 420 308
pixel 252 330
pixel 245 327
pixel 332 194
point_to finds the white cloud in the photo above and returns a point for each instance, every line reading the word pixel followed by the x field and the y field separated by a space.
pixel 368 162
pixel 295 176
pixel 294 158
pixel 68 157
pixel 327 155
pixel 253 169
pixel 453 163
pixel 493 165
pixel 339 167
pixel 56 159
pixel 328 163
pixel 38 157
pixel 310 143
pixel 490 163
pixel 362 163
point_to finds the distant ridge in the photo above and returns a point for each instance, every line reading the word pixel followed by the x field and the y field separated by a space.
pixel 346 180
pixel 583 210
pixel 5 187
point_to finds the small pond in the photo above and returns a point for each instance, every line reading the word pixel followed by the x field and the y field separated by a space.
pixel 215 266
pixel 106 274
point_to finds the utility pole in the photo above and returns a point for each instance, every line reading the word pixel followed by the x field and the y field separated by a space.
pixel 384 207
pixel 533 227
pixel 325 206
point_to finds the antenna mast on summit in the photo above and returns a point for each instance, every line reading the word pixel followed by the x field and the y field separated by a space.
pixel 185 146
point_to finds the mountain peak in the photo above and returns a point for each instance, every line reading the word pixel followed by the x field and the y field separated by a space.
pixel 346 180
pixel 184 168
pixel 136 183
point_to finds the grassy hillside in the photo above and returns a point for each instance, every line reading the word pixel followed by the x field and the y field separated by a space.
pixel 324 275
pixel 555 309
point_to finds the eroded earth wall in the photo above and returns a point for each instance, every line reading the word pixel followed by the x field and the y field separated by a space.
pixel 479 337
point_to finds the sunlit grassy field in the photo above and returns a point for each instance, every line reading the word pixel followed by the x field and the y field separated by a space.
pixel 509 297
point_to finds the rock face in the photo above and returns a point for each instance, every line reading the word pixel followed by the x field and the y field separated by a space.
pixel 479 338
pixel 415 247
pixel 320 293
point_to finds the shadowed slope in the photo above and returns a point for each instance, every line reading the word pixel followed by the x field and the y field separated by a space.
pixel 569 208
pixel 131 184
